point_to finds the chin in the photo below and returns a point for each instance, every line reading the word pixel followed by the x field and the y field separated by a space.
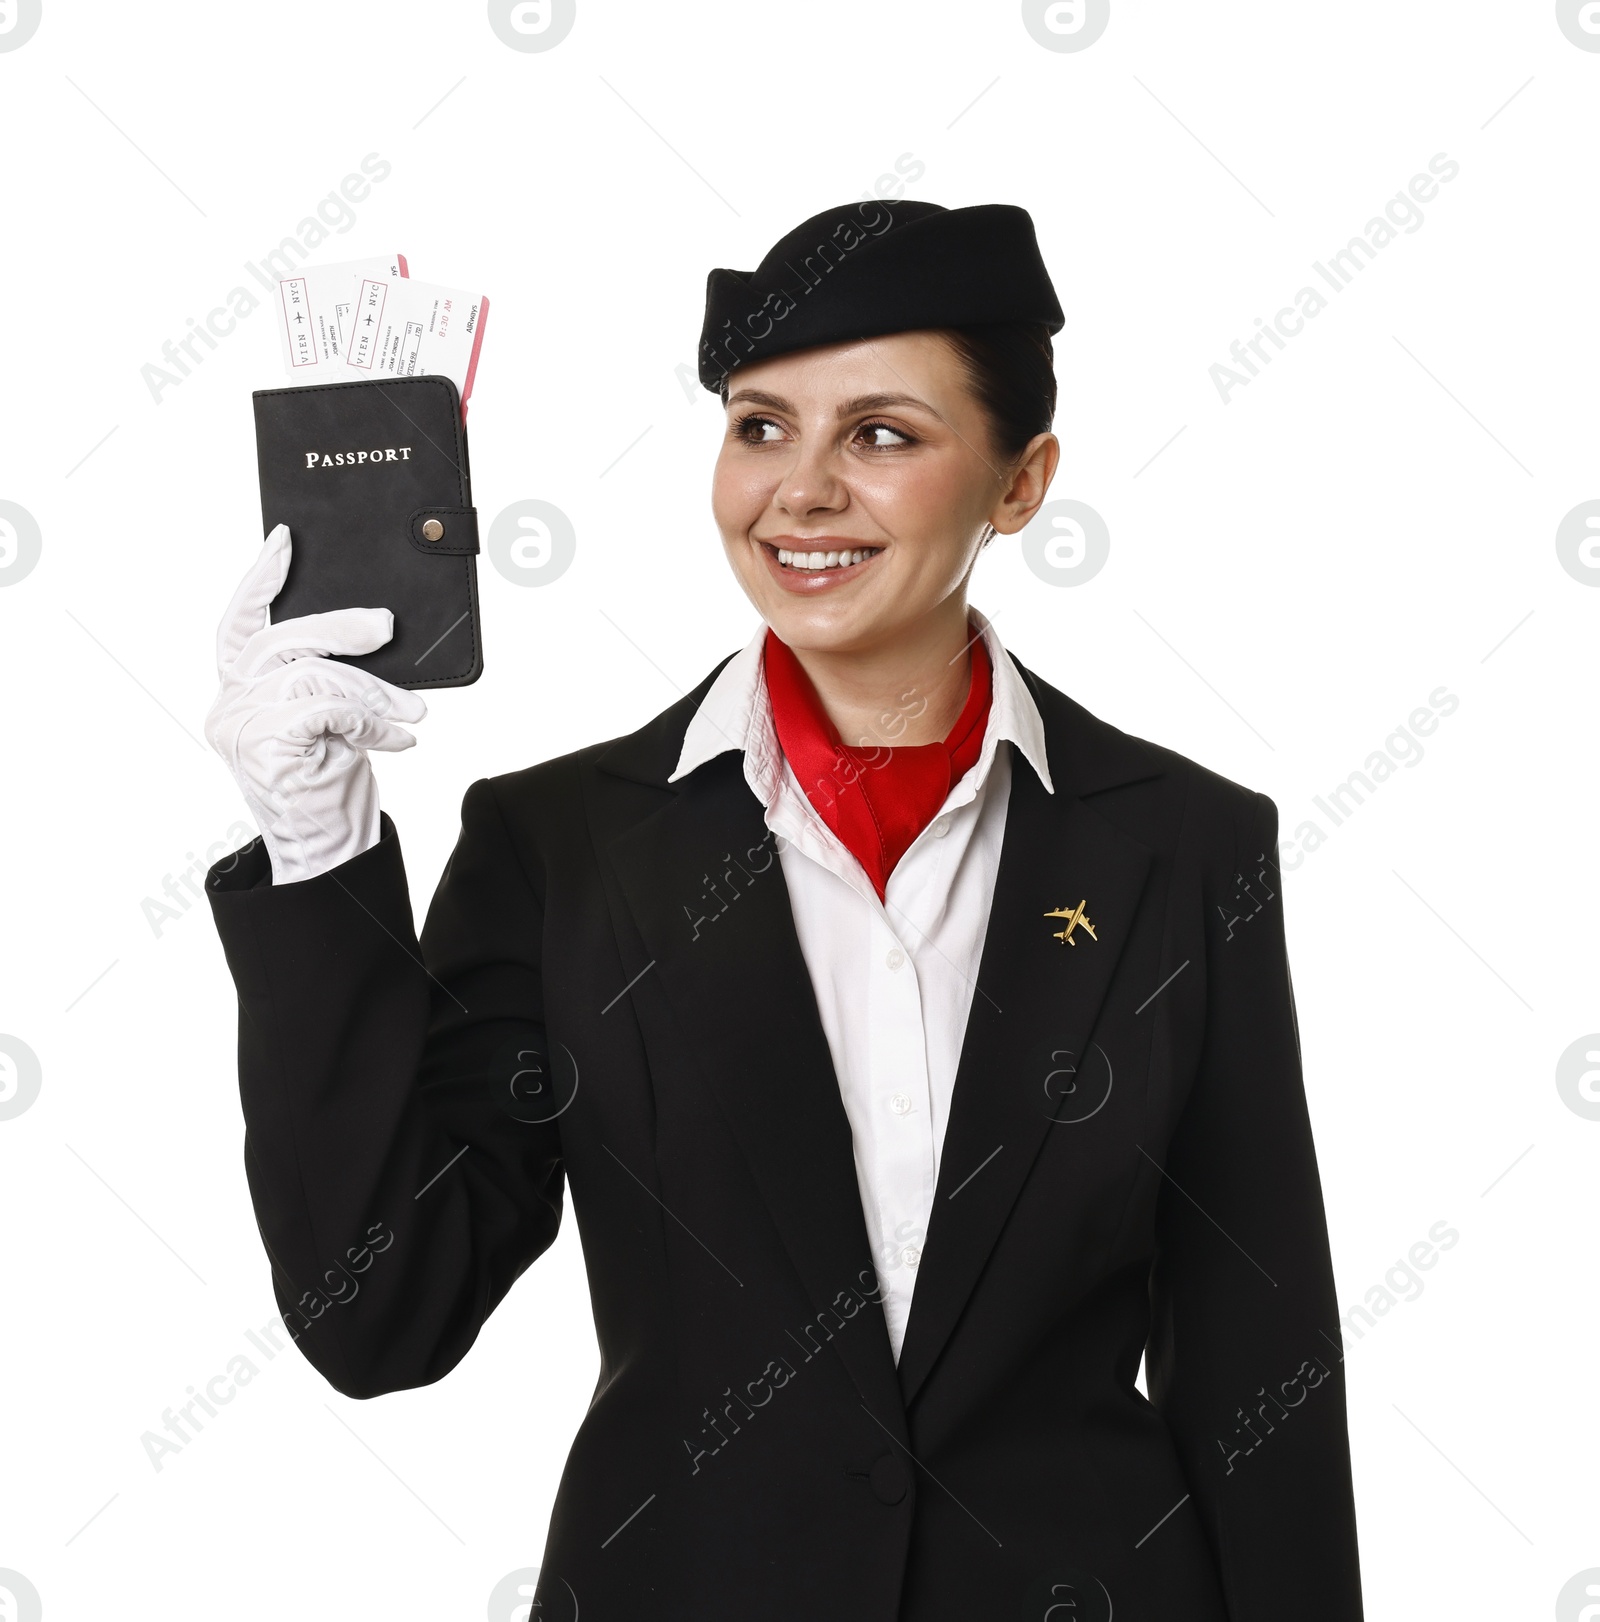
pixel 827 628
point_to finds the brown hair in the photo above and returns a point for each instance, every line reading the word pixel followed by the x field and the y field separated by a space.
pixel 1011 369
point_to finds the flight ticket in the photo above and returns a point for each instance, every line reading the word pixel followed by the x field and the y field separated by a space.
pixel 403 328
pixel 369 319
pixel 314 310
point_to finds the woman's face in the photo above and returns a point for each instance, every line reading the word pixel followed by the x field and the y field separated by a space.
pixel 854 484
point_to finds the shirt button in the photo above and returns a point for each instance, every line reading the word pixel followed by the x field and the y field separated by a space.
pixel 941 827
pixel 900 1104
pixel 896 959
pixel 911 1255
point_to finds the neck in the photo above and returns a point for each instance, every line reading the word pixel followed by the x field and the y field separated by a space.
pixel 907 691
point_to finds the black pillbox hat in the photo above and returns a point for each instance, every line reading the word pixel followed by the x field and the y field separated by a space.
pixel 874 267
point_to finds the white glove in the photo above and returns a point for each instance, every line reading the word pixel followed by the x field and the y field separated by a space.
pixel 294 728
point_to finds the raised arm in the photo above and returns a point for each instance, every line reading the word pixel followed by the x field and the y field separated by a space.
pixel 402 1145
pixel 402 1141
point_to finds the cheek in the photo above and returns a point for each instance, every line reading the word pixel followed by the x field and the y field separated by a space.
pixel 923 504
pixel 740 491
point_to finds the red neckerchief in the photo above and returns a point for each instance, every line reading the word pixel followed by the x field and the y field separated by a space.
pixel 876 800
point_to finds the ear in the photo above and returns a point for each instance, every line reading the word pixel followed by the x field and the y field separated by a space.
pixel 1029 482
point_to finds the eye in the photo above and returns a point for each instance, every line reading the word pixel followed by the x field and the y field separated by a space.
pixel 757 430
pixel 880 436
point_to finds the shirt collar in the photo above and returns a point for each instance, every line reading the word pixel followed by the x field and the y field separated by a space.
pixel 736 713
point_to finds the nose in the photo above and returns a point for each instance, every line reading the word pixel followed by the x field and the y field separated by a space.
pixel 811 484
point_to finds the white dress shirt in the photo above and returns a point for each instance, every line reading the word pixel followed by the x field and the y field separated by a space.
pixel 894 980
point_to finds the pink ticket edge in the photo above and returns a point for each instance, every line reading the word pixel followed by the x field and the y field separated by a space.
pixel 477 347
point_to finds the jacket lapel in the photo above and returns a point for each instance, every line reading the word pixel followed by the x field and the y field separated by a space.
pixel 705 889
pixel 703 882
pixel 1035 1009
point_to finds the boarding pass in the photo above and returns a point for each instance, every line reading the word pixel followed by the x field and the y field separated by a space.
pixel 377 321
pixel 314 309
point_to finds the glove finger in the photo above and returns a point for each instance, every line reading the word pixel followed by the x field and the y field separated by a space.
pixel 247 612
pixel 301 724
pixel 386 737
pixel 340 630
pixel 328 678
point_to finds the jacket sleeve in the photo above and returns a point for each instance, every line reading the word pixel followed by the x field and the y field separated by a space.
pixel 402 1137
pixel 1244 1360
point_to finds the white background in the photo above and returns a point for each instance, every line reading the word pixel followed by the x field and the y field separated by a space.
pixel 1372 518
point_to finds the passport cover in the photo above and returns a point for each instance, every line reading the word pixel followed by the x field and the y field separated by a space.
pixel 363 474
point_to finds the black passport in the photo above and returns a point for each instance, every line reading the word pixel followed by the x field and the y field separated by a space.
pixel 372 480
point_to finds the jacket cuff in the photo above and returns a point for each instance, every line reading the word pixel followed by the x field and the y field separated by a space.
pixel 271 933
pixel 250 867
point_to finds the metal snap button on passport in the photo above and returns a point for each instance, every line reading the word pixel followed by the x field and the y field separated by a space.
pixel 432 530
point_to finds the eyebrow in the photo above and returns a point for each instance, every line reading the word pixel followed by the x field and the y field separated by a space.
pixel 847 408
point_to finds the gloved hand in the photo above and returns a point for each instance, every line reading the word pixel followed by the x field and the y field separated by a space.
pixel 294 728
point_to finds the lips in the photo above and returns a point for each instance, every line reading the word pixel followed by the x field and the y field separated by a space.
pixel 819 566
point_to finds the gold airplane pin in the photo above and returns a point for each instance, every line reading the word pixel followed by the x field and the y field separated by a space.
pixel 1074 916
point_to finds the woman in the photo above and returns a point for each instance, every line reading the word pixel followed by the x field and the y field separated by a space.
pixel 919 1048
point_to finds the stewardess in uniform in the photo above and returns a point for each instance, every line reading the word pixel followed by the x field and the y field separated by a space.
pixel 916 1049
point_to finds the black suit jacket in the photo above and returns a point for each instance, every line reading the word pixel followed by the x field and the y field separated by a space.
pixel 609 995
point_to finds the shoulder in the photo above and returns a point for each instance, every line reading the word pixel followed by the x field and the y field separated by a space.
pixel 645 756
pixel 1101 760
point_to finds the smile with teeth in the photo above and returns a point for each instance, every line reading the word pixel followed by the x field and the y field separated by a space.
pixel 826 560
